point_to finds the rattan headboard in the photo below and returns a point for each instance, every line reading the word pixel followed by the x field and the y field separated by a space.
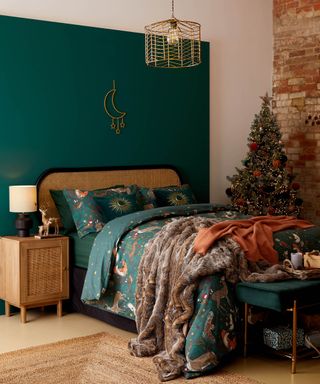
pixel 93 178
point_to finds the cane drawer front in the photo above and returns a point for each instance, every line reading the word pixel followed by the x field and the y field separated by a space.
pixel 44 270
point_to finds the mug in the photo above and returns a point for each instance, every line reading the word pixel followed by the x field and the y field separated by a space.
pixel 296 260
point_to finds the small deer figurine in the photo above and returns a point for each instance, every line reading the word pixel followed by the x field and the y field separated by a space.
pixel 46 222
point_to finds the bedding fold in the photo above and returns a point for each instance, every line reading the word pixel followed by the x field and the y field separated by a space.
pixel 254 235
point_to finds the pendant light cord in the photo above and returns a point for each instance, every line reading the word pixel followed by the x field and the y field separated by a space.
pixel 172 9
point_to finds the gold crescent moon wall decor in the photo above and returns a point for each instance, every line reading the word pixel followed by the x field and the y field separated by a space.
pixel 117 117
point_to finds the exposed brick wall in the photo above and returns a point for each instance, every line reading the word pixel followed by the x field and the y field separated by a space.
pixel 296 93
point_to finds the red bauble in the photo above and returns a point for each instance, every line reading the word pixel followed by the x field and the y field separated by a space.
pixel 276 163
pixel 257 173
pixel 295 186
pixel 253 146
pixel 240 202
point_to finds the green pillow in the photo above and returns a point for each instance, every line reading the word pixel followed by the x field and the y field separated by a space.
pixel 174 195
pixel 117 202
pixel 64 210
pixel 148 198
pixel 86 213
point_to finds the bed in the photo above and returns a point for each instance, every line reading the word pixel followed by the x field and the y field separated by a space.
pixel 94 178
pixel 104 265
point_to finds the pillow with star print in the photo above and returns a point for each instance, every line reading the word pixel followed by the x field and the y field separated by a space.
pixel 174 195
pixel 119 201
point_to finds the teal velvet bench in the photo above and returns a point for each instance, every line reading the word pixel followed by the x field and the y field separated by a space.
pixel 288 295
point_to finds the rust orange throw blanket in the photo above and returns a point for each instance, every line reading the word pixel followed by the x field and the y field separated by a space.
pixel 254 235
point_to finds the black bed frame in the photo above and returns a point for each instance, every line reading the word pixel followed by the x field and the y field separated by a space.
pixel 77 276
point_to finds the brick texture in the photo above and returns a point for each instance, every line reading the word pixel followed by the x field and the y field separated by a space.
pixel 296 93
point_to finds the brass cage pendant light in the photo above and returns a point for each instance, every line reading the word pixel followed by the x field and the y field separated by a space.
pixel 173 43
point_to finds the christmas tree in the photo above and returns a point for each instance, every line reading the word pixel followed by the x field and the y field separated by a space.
pixel 264 186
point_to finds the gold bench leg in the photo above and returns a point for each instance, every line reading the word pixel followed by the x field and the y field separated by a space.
pixel 245 339
pixel 294 338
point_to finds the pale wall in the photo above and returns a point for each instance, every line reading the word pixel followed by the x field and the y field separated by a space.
pixel 240 34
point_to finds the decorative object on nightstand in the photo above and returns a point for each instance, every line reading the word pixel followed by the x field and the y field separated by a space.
pixel 34 272
pixel 44 229
pixel 23 199
pixel 173 43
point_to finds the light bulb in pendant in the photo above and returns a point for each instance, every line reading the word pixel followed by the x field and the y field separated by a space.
pixel 173 34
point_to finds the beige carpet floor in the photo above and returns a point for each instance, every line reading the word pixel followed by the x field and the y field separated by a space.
pixel 100 358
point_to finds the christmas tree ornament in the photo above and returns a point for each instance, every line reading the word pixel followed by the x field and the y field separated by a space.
pixel 276 163
pixel 253 146
pixel 266 99
pixel 245 162
pixel 283 158
pixel 296 186
pixel 240 202
pixel 256 173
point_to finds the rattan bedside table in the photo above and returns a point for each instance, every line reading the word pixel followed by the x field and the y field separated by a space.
pixel 34 272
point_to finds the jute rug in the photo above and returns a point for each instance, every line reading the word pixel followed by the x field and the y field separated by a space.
pixel 100 358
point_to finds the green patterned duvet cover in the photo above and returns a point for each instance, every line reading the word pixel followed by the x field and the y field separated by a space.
pixel 112 274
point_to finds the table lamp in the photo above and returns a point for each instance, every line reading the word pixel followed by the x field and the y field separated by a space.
pixel 23 199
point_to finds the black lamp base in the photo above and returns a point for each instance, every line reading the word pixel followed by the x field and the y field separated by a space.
pixel 23 225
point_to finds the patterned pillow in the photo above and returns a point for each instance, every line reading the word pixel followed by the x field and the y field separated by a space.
pixel 116 202
pixel 174 195
pixel 86 213
pixel 64 210
pixel 148 198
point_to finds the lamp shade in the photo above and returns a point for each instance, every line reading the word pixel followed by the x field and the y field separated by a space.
pixel 23 198
pixel 173 43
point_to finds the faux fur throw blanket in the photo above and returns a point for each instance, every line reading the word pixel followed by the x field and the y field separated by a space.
pixel 253 235
pixel 168 276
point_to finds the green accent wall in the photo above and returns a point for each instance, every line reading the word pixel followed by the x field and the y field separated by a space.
pixel 53 79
